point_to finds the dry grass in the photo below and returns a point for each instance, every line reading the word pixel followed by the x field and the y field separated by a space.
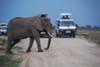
pixel 91 34
pixel 95 37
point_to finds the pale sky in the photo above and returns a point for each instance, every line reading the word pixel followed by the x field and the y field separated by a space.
pixel 84 12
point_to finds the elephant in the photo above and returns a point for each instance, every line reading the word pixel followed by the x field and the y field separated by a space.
pixel 23 27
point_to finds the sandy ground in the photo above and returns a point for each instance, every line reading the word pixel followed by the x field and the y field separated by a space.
pixel 64 52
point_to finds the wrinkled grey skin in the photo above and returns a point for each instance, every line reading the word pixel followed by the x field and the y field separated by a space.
pixel 20 28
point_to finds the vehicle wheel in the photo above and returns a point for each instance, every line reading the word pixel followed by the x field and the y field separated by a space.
pixel 2 33
pixel 56 35
pixel 73 35
pixel 70 35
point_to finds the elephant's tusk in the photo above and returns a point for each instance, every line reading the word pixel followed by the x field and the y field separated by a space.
pixel 50 35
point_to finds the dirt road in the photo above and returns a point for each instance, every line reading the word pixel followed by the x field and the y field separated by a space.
pixel 64 52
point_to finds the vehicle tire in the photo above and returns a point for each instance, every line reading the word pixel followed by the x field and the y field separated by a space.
pixel 56 35
pixel 73 35
pixel 2 33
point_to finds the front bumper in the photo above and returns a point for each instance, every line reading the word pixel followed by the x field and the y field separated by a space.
pixel 69 31
pixel 43 34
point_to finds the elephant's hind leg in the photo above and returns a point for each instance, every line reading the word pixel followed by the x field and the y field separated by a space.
pixel 10 45
pixel 30 45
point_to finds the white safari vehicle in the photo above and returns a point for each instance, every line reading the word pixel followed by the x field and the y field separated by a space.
pixel 3 28
pixel 65 26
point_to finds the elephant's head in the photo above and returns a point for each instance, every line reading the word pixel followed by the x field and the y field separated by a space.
pixel 43 23
pixel 47 26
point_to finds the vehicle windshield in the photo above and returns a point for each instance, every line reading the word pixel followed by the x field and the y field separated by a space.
pixel 67 23
pixel 3 27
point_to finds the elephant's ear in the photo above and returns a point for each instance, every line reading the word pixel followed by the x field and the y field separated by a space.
pixel 37 23
pixel 47 21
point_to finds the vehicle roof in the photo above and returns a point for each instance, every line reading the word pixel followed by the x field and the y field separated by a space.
pixel 65 19
pixel 62 14
pixel 3 24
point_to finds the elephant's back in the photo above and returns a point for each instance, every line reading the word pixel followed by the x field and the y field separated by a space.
pixel 18 23
pixel 16 20
pixel 24 22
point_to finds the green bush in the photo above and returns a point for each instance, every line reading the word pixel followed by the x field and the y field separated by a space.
pixel 8 62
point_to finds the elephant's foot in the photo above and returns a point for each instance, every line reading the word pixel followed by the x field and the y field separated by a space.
pixel 9 52
pixel 28 51
pixel 40 50
pixel 46 48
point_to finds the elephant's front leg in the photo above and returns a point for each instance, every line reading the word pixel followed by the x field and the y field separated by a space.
pixel 30 44
pixel 37 38
pixel 38 44
pixel 49 41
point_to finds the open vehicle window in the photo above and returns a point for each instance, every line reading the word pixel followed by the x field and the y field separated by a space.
pixel 67 23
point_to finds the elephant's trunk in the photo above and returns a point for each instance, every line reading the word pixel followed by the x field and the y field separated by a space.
pixel 49 41
pixel 50 35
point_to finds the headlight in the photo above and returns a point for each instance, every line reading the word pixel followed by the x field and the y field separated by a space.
pixel 72 27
